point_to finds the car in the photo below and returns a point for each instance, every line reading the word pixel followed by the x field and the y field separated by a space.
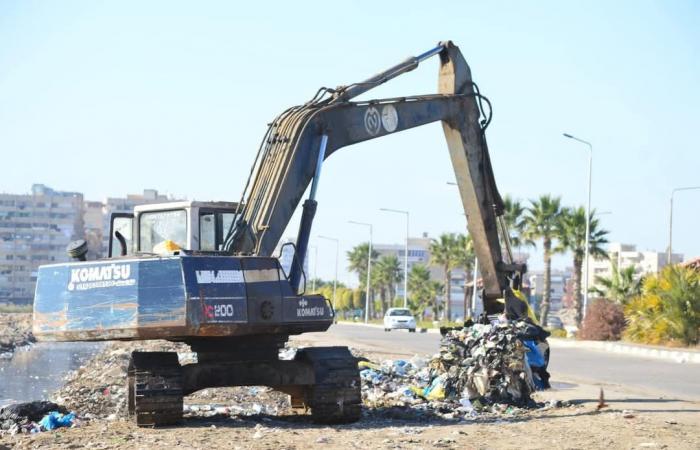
pixel 399 319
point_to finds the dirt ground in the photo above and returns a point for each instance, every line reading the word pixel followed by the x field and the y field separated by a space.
pixel 260 418
pixel 15 331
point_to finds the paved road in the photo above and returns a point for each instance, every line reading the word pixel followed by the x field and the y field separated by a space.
pixel 650 376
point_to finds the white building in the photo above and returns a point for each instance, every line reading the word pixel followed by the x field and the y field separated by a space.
pixel 35 230
pixel 557 289
pixel 626 255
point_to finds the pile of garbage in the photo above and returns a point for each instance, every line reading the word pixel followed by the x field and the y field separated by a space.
pixel 481 368
pixel 15 331
pixel 34 417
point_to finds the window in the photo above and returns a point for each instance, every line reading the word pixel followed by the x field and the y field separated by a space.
pixel 158 226
pixel 213 228
pixel 207 231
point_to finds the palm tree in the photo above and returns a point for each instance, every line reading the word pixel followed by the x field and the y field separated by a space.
pixel 387 273
pixel 572 237
pixel 448 252
pixel 620 287
pixel 514 215
pixel 357 262
pixel 541 222
pixel 467 262
pixel 420 287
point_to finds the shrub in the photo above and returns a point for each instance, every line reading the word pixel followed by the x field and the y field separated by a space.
pixel 558 333
pixel 605 321
pixel 668 311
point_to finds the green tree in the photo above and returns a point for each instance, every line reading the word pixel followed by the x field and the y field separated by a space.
pixel 448 252
pixel 542 222
pixel 357 262
pixel 620 287
pixel 572 237
pixel 514 215
pixel 358 298
pixel 386 273
pixel 466 261
pixel 421 289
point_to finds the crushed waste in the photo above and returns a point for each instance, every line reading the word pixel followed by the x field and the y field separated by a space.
pixel 34 417
pixel 478 369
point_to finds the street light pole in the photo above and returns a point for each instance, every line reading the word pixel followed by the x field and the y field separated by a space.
pixel 337 247
pixel 670 221
pixel 405 256
pixel 369 266
pixel 588 218
pixel 476 271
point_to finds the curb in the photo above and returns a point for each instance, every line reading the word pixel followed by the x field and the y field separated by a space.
pixel 679 356
pixel 372 325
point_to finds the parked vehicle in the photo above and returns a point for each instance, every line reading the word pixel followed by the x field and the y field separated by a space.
pixel 399 319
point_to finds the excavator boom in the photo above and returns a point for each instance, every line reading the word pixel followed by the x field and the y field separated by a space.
pixel 301 138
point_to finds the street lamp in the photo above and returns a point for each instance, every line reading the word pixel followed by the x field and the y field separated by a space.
pixel 588 217
pixel 369 265
pixel 670 222
pixel 337 246
pixel 476 273
pixel 405 256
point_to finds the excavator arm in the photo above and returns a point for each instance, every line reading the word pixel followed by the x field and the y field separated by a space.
pixel 301 138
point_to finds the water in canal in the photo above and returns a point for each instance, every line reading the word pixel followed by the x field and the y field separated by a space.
pixel 36 371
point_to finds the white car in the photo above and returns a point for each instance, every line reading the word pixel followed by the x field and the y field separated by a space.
pixel 399 319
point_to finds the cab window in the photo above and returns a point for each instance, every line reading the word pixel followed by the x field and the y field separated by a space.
pixel 213 228
pixel 158 226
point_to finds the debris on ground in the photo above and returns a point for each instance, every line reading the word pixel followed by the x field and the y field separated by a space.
pixel 481 368
pixel 32 417
pixel 15 331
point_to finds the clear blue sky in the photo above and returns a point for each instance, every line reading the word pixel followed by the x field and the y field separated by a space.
pixel 109 98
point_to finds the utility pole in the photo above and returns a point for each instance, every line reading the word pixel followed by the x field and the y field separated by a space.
pixel 405 256
pixel 588 219
pixel 369 266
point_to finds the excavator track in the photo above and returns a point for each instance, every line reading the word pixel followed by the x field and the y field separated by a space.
pixel 336 396
pixel 155 388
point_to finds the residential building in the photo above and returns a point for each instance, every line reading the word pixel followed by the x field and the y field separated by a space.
pixel 419 253
pixel 559 280
pixel 126 205
pixel 626 255
pixel 35 230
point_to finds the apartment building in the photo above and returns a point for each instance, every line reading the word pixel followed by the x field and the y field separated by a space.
pixel 627 255
pixel 35 229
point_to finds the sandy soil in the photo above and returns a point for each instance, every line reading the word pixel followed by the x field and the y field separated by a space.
pixel 15 331
pixel 631 420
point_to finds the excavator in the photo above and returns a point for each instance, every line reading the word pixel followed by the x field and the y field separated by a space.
pixel 204 273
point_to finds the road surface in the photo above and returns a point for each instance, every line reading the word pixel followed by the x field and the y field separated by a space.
pixel 650 376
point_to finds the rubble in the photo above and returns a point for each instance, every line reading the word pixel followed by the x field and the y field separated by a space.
pixel 15 331
pixel 27 417
pixel 479 369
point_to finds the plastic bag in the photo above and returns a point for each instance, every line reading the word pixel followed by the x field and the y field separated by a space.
pixel 534 356
pixel 55 419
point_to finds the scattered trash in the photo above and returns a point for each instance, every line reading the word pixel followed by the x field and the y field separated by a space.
pixel 628 414
pixel 601 401
pixel 33 417
pixel 15 331
pixel 482 368
pixel 55 419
